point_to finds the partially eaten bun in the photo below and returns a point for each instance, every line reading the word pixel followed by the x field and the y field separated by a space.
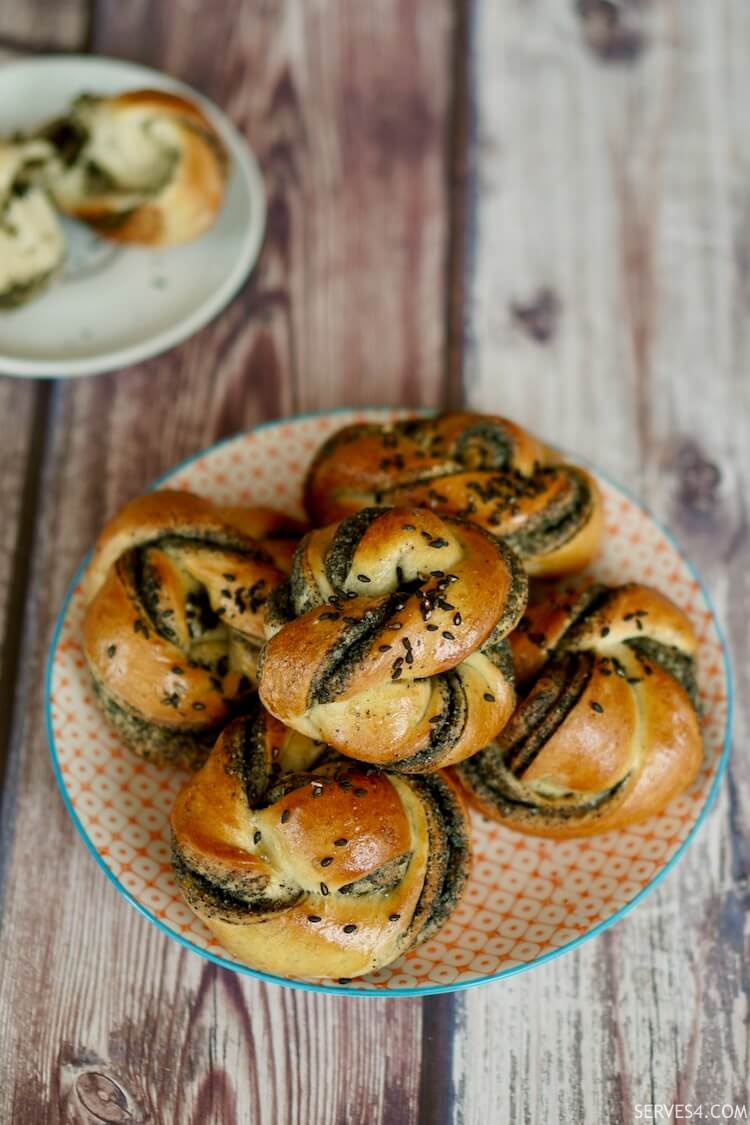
pixel 145 166
pixel 31 242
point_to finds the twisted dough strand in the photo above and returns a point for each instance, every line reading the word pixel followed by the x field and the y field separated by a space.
pixel 480 467
pixel 607 732
pixel 305 864
pixel 176 591
pixel 387 642
pixel 145 166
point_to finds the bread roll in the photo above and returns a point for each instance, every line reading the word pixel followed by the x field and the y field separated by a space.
pixel 387 642
pixel 31 242
pixel 145 166
pixel 176 590
pixel 607 731
pixel 480 467
pixel 304 864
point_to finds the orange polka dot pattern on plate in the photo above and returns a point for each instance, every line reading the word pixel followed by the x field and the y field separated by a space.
pixel 527 897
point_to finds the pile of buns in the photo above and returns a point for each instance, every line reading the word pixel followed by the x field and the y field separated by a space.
pixel 143 167
pixel 340 691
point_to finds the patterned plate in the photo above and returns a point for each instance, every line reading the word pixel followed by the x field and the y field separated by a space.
pixel 528 899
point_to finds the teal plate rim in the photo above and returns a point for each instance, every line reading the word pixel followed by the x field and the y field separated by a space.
pixel 391 993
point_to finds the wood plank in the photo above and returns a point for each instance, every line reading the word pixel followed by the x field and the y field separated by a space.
pixel 354 146
pixel 44 25
pixel 23 424
pixel 21 432
pixel 16 412
pixel 608 301
pixel 23 411
pixel 347 113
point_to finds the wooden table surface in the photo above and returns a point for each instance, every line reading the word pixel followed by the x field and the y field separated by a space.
pixel 537 207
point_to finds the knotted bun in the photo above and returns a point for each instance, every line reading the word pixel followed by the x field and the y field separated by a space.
pixel 176 590
pixel 145 166
pixel 480 467
pixel 305 864
pixel 32 248
pixel 387 642
pixel 607 732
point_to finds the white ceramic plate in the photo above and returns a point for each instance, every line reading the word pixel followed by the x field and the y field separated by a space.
pixel 114 305
pixel 528 898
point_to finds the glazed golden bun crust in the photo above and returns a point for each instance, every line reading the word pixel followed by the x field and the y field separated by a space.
pixel 387 642
pixel 481 467
pixel 179 206
pixel 306 865
pixel 607 732
pixel 175 592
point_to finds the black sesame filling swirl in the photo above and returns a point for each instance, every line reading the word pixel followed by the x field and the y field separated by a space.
pixel 561 519
pixel 551 700
pixel 497 776
pixel 235 897
pixel 204 621
pixel 480 468
pixel 376 620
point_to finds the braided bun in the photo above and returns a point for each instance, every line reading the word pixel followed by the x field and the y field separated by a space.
pixel 145 166
pixel 480 467
pixel 607 732
pixel 176 589
pixel 387 642
pixel 32 248
pixel 304 864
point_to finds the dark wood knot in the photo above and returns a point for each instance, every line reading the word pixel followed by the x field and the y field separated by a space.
pixel 102 1097
pixel 539 316
pixel 610 31
pixel 699 479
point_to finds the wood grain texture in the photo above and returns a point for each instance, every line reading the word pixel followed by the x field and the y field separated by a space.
pixel 21 430
pixel 17 402
pixel 346 106
pixel 346 109
pixel 605 213
pixel 608 309
pixel 44 25
pixel 23 409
